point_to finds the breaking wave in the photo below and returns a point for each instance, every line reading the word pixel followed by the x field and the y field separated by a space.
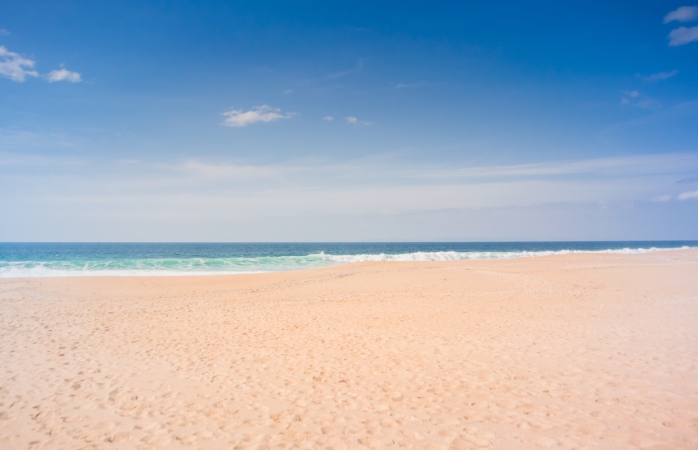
pixel 241 265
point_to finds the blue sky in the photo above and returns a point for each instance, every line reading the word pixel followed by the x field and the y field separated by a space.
pixel 277 121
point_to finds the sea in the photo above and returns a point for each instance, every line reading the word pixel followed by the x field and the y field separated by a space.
pixel 21 259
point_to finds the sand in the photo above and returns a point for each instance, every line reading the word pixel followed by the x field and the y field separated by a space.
pixel 572 351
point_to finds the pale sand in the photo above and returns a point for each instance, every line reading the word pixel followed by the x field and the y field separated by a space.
pixel 576 351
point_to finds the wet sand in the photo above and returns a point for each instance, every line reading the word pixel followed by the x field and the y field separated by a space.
pixel 571 351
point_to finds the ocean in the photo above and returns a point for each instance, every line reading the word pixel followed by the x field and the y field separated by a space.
pixel 162 259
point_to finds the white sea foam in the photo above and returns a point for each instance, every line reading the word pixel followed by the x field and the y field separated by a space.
pixel 461 256
pixel 235 266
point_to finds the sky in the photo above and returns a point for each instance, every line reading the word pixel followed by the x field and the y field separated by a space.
pixel 348 121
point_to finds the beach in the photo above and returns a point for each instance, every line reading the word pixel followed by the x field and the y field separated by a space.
pixel 567 351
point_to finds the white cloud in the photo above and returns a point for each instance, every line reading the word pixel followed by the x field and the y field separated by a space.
pixel 4 32
pixel 63 75
pixel 634 94
pixel 683 36
pixel 288 92
pixel 659 76
pixel 688 195
pixel 683 14
pixel 355 121
pixel 264 113
pixel 15 67
pixel 328 118
pixel 662 198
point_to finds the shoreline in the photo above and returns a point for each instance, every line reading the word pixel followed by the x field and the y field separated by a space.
pixel 581 350
pixel 367 258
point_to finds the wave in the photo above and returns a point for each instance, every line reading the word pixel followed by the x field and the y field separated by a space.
pixel 461 256
pixel 242 265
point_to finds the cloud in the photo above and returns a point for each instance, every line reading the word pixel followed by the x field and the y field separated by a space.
pixel 635 98
pixel 688 195
pixel 63 75
pixel 264 113
pixel 288 92
pixel 386 169
pixel 683 14
pixel 683 36
pixel 15 67
pixel 4 32
pixel 225 170
pixel 662 198
pixel 355 121
pixel 343 73
pixel 328 118
pixel 407 85
pixel 659 76
pixel 314 196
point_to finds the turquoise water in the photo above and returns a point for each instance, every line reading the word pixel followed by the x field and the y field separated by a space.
pixel 117 259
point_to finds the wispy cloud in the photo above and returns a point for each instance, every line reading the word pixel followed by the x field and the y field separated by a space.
pixel 343 73
pixel 264 113
pixel 682 14
pixel 659 76
pixel 662 198
pixel 639 100
pixel 605 167
pixel 355 121
pixel 309 194
pixel 63 74
pixel 387 168
pixel 15 67
pixel 407 85
pixel 4 32
pixel 688 195
pixel 683 36
pixel 224 170
pixel 328 118
pixel 688 180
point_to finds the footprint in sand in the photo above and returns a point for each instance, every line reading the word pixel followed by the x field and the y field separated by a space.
pixel 156 441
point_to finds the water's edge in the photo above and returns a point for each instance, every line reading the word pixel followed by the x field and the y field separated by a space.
pixel 59 260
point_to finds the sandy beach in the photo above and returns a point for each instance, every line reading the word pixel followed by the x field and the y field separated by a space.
pixel 567 351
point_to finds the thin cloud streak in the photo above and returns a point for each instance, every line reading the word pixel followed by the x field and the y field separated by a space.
pixel 216 192
pixel 370 170
pixel 344 73
pixel 659 76
pixel 407 85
